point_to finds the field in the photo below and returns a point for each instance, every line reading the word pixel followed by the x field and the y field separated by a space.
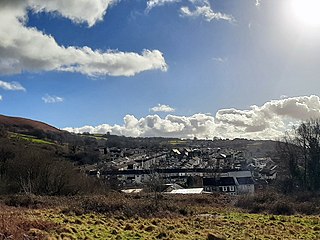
pixel 132 217
pixel 30 138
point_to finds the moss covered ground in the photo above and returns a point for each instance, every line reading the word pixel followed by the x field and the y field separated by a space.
pixel 233 225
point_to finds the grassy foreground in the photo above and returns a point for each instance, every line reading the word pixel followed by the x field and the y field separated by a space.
pixel 103 218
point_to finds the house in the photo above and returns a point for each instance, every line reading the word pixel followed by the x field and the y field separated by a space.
pixel 233 183
pixel 268 173
pixel 265 168
pixel 224 184
pixel 245 185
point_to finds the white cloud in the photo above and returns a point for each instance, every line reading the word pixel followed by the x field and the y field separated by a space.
pixel 258 3
pixel 52 99
pixel 219 59
pixel 1 98
pixel 271 119
pixel 152 125
pixel 162 108
pixel 28 49
pixel 268 121
pixel 78 11
pixel 202 8
pixel 156 3
pixel 11 86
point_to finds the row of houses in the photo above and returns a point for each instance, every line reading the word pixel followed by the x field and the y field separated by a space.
pixel 212 169
pixel 232 182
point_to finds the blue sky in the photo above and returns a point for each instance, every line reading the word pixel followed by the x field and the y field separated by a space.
pixel 178 68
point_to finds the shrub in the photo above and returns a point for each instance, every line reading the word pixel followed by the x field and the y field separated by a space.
pixel 14 225
pixel 309 208
pixel 27 201
pixel 282 208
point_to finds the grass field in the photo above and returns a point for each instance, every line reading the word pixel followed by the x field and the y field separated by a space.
pixel 176 142
pixel 224 225
pixel 74 219
pixel 30 138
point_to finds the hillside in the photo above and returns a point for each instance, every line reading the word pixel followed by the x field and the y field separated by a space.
pixel 18 124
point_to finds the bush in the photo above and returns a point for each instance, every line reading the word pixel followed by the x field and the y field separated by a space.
pixel 281 208
pixel 302 203
pixel 308 208
pixel 258 202
pixel 27 201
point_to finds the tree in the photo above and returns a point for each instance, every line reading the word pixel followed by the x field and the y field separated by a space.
pixel 301 154
pixel 3 132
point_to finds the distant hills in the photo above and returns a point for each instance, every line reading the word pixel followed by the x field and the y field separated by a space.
pixel 17 124
pixel 40 130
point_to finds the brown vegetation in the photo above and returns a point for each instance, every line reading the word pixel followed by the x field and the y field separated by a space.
pixel 279 204
pixel 143 205
pixel 38 169
pixel 18 122
pixel 15 225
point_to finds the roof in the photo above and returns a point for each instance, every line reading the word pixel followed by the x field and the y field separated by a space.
pixel 176 151
pixel 134 190
pixel 187 191
pixel 172 186
pixel 223 181
pixel 245 180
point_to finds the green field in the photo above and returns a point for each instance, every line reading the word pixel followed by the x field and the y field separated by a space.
pixel 30 138
pixel 177 142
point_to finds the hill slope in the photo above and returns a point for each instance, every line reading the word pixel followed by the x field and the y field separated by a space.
pixel 23 124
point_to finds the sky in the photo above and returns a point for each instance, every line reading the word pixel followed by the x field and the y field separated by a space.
pixel 169 68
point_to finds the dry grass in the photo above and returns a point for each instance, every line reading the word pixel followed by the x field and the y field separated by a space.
pixel 18 223
pixel 223 225
pixel 275 203
pixel 119 216
pixel 144 205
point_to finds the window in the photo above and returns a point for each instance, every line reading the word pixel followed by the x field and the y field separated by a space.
pixel 231 188
pixel 224 189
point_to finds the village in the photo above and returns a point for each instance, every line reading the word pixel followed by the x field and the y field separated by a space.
pixel 187 170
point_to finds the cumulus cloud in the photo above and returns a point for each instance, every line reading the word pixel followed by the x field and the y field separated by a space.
pixel 299 108
pixel 162 108
pixel 78 11
pixel 52 99
pixel 153 125
pixel 24 48
pixel 156 3
pixel 268 121
pixel 272 118
pixel 11 86
pixel 202 8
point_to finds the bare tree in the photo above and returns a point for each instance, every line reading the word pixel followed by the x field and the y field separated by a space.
pixel 301 154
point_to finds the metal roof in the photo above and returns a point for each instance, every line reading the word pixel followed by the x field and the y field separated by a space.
pixel 187 191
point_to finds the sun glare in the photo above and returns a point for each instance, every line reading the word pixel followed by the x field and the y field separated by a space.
pixel 307 11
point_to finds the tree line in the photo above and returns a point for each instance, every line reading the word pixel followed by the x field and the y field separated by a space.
pixel 35 169
pixel 300 153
